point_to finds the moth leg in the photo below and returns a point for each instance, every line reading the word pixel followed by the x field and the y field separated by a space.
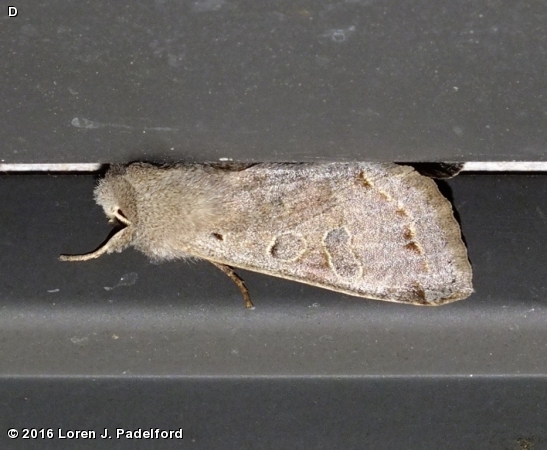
pixel 238 281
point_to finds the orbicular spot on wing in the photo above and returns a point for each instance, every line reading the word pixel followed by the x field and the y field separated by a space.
pixel 287 247
pixel 340 255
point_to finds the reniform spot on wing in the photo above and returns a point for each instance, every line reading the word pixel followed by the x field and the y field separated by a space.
pixel 341 258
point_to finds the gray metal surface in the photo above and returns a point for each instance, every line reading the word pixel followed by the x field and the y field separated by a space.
pixel 121 316
pixel 366 80
pixel 119 342
pixel 239 413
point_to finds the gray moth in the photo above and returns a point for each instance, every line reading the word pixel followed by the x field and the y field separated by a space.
pixel 375 230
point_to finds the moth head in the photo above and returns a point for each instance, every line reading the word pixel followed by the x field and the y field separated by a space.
pixel 116 196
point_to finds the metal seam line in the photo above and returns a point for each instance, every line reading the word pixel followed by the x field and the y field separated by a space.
pixel 471 166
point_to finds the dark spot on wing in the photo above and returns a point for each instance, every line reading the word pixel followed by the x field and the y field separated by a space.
pixel 413 247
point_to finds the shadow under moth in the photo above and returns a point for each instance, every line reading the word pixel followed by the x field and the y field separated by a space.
pixel 374 230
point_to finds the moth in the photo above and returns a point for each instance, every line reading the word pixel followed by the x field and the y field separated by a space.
pixel 375 230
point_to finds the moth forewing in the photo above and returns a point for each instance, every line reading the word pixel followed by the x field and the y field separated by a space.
pixel 379 231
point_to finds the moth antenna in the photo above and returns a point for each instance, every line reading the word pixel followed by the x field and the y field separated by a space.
pixel 238 281
pixel 108 247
